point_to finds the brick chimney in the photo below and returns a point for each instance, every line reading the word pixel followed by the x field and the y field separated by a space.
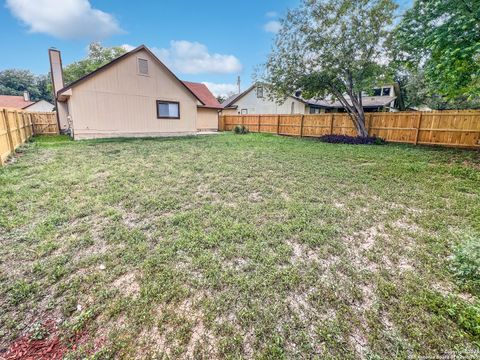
pixel 56 70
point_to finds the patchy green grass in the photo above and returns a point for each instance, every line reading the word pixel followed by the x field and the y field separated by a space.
pixel 251 246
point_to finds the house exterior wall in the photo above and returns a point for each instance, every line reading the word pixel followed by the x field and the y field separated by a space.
pixel 207 119
pixel 254 105
pixel 118 101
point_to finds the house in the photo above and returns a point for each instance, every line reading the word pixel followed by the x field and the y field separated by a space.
pixel 254 101
pixel 134 95
pixel 383 98
pixel 15 102
pixel 207 115
pixel 40 106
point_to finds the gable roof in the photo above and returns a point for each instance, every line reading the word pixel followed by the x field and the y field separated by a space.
pixel 118 59
pixel 14 101
pixel 234 98
pixel 202 92
pixel 39 101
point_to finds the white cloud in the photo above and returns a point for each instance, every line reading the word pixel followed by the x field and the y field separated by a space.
pixel 66 19
pixel 271 14
pixel 127 47
pixel 222 89
pixel 272 26
pixel 193 58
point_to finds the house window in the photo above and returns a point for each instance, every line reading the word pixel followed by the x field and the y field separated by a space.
pixel 292 108
pixel 259 92
pixel 314 110
pixel 244 111
pixel 386 91
pixel 377 92
pixel 168 109
pixel 143 67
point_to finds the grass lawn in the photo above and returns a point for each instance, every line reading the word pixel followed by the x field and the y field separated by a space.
pixel 242 246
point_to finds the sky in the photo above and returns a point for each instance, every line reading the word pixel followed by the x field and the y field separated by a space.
pixel 204 41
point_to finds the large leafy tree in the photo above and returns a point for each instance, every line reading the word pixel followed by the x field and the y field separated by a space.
pixel 332 48
pixel 438 41
pixel 15 82
pixel 98 55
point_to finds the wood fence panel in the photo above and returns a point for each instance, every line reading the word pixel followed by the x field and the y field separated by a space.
pixel 290 125
pixel 18 126
pixel 448 128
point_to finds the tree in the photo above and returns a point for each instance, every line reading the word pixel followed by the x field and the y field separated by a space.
pixel 97 56
pixel 221 98
pixel 439 40
pixel 15 82
pixel 332 48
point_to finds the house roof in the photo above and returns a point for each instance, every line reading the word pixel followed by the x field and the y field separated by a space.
pixel 116 60
pixel 14 101
pixel 232 99
pixel 39 101
pixel 203 93
pixel 367 102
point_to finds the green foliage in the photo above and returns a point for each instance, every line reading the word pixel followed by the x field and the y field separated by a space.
pixel 467 316
pixel 240 130
pixel 438 47
pixel 466 263
pixel 21 290
pixel 97 57
pixel 331 48
pixel 38 331
pixel 15 82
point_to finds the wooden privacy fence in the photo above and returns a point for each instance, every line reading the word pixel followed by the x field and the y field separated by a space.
pixel 17 126
pixel 457 129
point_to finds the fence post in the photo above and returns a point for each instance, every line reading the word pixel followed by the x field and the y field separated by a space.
pixel 301 125
pixel 9 131
pixel 331 124
pixel 278 124
pixel 258 122
pixel 419 120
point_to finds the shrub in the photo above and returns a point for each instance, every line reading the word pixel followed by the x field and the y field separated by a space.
pixel 354 140
pixel 240 129
pixel 466 263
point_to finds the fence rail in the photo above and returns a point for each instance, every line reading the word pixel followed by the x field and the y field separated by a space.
pixel 17 126
pixel 458 129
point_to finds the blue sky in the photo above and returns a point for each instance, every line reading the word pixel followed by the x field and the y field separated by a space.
pixel 206 41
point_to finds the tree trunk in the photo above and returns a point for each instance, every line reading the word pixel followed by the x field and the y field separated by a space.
pixel 354 110
pixel 358 118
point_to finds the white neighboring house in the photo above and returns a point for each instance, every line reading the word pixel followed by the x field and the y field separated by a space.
pixel 254 100
pixel 40 106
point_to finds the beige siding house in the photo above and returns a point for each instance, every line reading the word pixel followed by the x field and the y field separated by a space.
pixel 135 95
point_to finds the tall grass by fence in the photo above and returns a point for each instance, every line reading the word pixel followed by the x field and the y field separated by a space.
pixel 449 128
pixel 17 126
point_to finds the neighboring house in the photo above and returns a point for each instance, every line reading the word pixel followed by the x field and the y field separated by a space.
pixel 254 100
pixel 133 95
pixel 207 115
pixel 384 98
pixel 40 106
pixel 15 102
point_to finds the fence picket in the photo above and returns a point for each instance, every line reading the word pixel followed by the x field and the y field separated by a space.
pixel 457 129
pixel 28 124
